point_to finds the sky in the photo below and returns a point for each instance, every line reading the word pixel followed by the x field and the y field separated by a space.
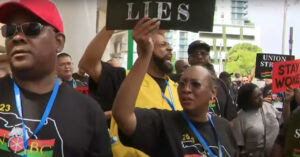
pixel 267 15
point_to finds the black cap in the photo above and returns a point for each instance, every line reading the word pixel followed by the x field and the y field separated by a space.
pixel 225 74
pixel 198 44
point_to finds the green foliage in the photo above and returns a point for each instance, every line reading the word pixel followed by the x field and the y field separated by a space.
pixel 241 58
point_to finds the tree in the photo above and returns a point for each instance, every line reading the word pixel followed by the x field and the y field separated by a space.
pixel 241 58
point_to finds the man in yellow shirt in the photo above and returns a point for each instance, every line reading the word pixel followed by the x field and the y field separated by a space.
pixel 157 90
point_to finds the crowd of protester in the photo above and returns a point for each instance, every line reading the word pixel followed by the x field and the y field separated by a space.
pixel 145 111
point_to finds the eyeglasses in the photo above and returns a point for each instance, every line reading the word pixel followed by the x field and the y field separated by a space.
pixel 29 29
pixel 199 52
pixel 65 64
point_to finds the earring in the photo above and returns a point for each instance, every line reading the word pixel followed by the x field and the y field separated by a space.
pixel 212 102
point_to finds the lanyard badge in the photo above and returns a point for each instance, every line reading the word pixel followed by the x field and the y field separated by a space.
pixel 171 103
pixel 44 117
pixel 201 139
pixel 74 83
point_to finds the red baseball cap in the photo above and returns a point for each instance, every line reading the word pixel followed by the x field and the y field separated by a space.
pixel 44 9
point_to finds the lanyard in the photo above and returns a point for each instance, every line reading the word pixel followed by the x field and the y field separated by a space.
pixel 44 117
pixel 171 96
pixel 74 83
pixel 200 138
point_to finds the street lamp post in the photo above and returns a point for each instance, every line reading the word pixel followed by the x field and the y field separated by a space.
pixel 284 25
pixel 291 41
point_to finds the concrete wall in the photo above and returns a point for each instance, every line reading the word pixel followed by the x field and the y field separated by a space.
pixel 79 17
pixel 1 40
pixel 117 47
pixel 102 5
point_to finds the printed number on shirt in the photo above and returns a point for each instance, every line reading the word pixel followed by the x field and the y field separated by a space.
pixel 5 107
pixel 187 137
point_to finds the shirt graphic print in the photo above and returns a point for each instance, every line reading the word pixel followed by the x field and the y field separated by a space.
pixel 42 144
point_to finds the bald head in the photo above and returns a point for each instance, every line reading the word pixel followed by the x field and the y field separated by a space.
pixel 201 73
pixel 181 65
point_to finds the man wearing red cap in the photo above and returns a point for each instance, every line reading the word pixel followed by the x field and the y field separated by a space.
pixel 39 115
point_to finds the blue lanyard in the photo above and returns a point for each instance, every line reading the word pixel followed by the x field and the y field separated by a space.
pixel 171 96
pixel 44 117
pixel 201 139
pixel 74 83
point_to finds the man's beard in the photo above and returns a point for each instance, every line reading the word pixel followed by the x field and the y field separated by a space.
pixel 162 64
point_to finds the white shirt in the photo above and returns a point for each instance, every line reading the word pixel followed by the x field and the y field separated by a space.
pixel 249 129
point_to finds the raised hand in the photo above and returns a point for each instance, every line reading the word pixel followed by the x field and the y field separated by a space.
pixel 124 104
pixel 288 94
pixel 142 34
pixel 297 95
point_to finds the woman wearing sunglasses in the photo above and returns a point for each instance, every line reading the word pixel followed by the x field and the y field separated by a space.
pixel 171 133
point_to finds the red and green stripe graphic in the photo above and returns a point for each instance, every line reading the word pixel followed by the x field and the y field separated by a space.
pixel 36 148
pixel 296 153
pixel 266 74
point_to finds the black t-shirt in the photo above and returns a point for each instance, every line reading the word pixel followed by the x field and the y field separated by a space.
pixel 110 81
pixel 161 133
pixel 74 127
pixel 161 82
pixel 76 85
pixel 175 77
pixel 289 135
pixel 106 89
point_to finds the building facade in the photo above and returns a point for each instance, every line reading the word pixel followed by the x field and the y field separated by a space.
pixel 231 27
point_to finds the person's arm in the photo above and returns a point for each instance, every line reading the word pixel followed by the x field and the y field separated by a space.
pixel 238 134
pixel 251 76
pixel 90 62
pixel 124 104
pixel 297 96
pixel 108 115
pixel 288 95
pixel 277 150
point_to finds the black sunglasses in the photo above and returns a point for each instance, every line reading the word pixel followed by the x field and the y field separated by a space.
pixel 29 29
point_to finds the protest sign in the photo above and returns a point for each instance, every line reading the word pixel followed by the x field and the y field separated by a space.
pixel 285 74
pixel 264 64
pixel 190 15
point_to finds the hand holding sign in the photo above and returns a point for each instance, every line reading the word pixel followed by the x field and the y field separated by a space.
pixel 288 94
pixel 142 34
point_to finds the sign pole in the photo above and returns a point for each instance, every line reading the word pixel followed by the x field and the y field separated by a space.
pixel 130 51
pixel 291 41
